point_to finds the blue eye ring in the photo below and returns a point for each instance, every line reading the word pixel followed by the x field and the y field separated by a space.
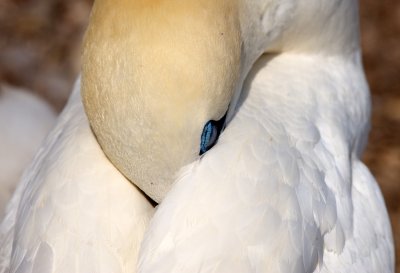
pixel 210 134
pixel 208 137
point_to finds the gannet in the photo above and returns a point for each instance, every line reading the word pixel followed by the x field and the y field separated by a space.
pixel 244 119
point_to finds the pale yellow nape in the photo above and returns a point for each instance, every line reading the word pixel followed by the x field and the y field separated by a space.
pixel 154 72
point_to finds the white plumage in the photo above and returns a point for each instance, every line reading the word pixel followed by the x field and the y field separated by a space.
pixel 282 191
pixel 77 213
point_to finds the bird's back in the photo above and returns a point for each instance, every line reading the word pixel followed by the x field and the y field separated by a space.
pixel 73 211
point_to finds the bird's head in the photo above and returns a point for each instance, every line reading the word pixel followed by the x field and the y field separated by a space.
pixel 159 76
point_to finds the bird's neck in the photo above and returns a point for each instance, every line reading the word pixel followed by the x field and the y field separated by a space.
pixel 328 93
pixel 306 117
pixel 320 26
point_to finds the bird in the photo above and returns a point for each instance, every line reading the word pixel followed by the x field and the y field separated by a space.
pixel 25 120
pixel 207 136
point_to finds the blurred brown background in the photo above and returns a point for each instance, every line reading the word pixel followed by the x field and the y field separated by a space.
pixel 40 48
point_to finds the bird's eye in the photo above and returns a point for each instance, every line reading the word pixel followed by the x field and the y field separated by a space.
pixel 210 134
pixel 208 137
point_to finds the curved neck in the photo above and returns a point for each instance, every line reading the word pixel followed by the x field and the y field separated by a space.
pixel 331 93
pixel 329 27
pixel 303 118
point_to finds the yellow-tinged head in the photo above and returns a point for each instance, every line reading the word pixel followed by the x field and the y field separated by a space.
pixel 156 71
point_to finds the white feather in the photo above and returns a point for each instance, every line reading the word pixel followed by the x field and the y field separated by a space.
pixel 73 211
pixel 280 192
pixel 283 190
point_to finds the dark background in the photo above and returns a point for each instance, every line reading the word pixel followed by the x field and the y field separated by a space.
pixel 40 49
